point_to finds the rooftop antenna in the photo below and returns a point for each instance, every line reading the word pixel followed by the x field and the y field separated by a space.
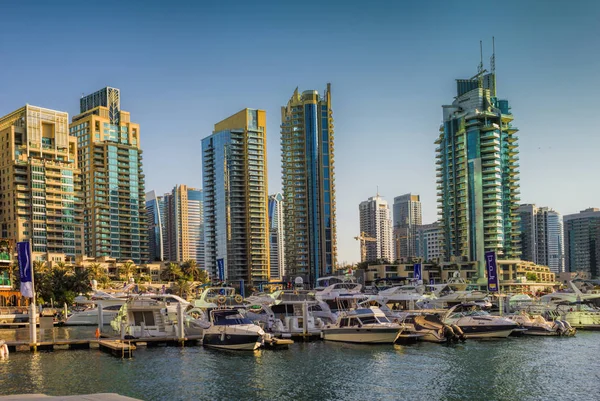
pixel 493 58
pixel 378 191
pixel 480 66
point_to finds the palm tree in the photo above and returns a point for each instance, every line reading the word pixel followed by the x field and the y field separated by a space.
pixel 172 272
pixel 127 270
pixel 80 281
pixel 190 269
pixel 183 288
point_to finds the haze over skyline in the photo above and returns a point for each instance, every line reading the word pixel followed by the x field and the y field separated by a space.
pixel 181 67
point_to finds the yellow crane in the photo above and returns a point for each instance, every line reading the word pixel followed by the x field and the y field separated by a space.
pixel 363 247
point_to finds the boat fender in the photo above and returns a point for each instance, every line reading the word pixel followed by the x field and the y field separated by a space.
pixel 221 299
pixel 3 351
pixel 222 336
pixel 238 298
pixel 449 333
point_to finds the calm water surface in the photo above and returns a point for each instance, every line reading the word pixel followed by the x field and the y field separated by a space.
pixel 513 369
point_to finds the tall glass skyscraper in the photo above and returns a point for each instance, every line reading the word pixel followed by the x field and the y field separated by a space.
pixel 477 174
pixel 155 220
pixel 407 218
pixel 542 237
pixel 236 227
pixel 582 241
pixel 308 184
pixel 110 159
pixel 276 236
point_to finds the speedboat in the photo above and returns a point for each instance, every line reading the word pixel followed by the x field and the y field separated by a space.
pixel 231 330
pixel 478 323
pixel 536 325
pixel 367 326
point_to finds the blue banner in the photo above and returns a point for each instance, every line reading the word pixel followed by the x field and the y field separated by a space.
pixel 492 271
pixel 221 269
pixel 25 269
pixel 417 272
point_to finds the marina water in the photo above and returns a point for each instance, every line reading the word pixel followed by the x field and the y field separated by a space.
pixel 527 368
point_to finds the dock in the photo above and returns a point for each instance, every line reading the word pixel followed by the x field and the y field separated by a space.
pixel 114 346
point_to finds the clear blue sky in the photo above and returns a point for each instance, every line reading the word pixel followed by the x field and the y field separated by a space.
pixel 182 66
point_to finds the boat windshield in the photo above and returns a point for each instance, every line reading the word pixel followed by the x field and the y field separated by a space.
pixel 368 320
pixel 229 319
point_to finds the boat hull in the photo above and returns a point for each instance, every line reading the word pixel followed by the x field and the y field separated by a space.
pixel 90 319
pixel 240 342
pixel 363 336
pixel 486 332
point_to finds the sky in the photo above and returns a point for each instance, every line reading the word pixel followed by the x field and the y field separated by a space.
pixel 183 66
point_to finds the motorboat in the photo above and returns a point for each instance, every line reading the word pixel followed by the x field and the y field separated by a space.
pixel 13 315
pixel 367 326
pixel 406 297
pixel 536 325
pixel 442 295
pixel 324 282
pixel 430 328
pixel 89 316
pixel 286 320
pixel 231 330
pixel 478 323
pixel 152 315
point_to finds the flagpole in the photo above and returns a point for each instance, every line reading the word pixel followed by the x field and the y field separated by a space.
pixel 32 313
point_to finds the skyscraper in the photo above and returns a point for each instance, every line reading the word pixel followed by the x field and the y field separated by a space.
pixel 41 183
pixel 276 237
pixel 236 227
pixel 155 220
pixel 376 223
pixel 429 242
pixel 477 173
pixel 184 225
pixel 542 236
pixel 110 159
pixel 582 241
pixel 407 217
pixel 308 184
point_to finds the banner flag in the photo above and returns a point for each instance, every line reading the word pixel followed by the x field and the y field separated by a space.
pixel 25 269
pixel 492 271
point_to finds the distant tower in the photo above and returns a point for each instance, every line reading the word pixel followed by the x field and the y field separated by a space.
pixel 407 218
pixel 375 222
pixel 276 237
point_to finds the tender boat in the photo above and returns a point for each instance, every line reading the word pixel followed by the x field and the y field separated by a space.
pixel 478 323
pixel 231 330
pixel 430 328
pixel 367 326
pixel 536 325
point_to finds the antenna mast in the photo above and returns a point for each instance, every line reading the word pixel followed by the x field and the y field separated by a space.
pixel 493 58
pixel 480 66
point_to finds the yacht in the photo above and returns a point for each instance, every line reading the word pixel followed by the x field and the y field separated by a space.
pixel 536 325
pixel 88 316
pixel 231 330
pixel 216 297
pixel 478 323
pixel 152 315
pixel 289 319
pixel 13 315
pixel 368 326
pixel 442 295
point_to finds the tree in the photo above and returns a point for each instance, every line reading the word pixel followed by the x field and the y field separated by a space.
pixel 172 272
pixel 184 287
pixel 80 281
pixel 190 270
pixel 127 270
pixel 531 276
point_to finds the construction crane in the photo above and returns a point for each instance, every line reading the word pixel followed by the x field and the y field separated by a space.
pixel 363 247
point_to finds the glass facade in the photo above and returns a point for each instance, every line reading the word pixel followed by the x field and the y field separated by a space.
pixel 308 185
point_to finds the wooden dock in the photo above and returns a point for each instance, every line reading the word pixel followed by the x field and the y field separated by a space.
pixel 114 346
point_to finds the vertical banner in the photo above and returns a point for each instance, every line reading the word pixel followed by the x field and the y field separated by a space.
pixel 492 271
pixel 418 274
pixel 221 269
pixel 25 269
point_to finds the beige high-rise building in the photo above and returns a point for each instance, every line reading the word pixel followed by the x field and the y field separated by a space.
pixel 184 225
pixel 110 159
pixel 376 224
pixel 40 188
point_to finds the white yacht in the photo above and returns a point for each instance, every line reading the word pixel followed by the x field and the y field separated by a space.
pixel 215 297
pixel 368 326
pixel 442 295
pixel 231 330
pixel 477 323
pixel 288 319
